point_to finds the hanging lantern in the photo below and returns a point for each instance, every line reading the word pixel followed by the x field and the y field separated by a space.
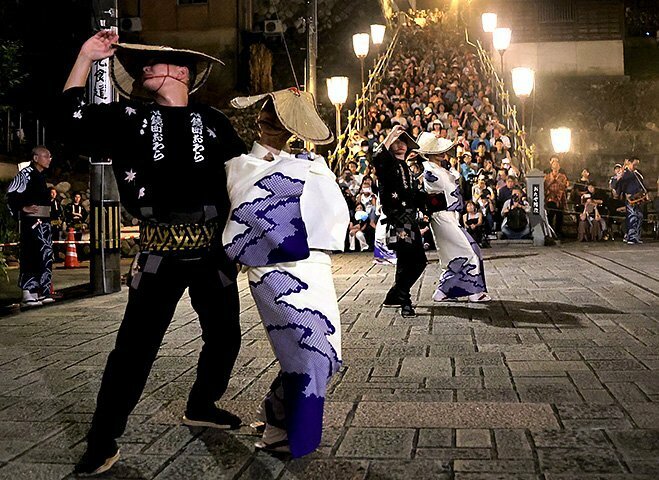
pixel 360 44
pixel 561 139
pixel 377 34
pixel 501 38
pixel 523 81
pixel 489 21
pixel 337 90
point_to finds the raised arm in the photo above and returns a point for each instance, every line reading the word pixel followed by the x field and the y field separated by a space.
pixel 97 47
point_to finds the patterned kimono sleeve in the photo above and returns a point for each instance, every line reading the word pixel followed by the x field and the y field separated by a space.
pixel 89 129
pixel 15 197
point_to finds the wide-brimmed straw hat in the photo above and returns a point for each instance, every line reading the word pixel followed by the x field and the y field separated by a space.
pixel 429 144
pixel 126 66
pixel 296 111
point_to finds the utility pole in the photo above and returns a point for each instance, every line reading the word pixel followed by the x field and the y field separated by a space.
pixel 105 218
pixel 312 50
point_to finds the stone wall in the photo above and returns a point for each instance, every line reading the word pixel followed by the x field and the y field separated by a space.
pixel 603 57
pixel 611 119
pixel 600 150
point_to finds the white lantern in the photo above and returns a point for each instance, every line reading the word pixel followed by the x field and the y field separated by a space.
pixel 523 81
pixel 337 90
pixel 360 44
pixel 377 34
pixel 489 21
pixel 501 38
pixel 561 139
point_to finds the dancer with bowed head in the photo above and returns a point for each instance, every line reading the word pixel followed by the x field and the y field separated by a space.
pixel 460 256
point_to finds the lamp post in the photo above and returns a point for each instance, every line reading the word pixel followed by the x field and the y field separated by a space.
pixel 523 83
pixel 360 44
pixel 561 139
pixel 501 41
pixel 489 21
pixel 337 91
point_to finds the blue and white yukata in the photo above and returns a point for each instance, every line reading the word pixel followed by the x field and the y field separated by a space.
pixel 285 215
pixel 382 254
pixel 459 254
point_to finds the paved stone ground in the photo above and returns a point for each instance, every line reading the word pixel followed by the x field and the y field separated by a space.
pixel 556 379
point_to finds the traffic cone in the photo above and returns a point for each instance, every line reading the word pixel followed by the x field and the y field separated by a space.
pixel 71 259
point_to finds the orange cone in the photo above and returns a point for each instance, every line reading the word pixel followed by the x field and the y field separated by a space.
pixel 71 259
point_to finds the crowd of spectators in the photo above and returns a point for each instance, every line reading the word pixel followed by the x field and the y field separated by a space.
pixel 434 85
pixel 598 211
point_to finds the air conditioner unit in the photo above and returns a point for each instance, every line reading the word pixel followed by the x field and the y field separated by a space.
pixel 273 27
pixel 130 24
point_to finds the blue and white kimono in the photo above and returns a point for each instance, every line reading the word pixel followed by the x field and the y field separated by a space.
pixel 459 254
pixel 285 215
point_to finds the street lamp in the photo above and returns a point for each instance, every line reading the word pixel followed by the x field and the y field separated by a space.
pixel 523 83
pixel 337 91
pixel 377 33
pixel 360 44
pixel 561 139
pixel 501 41
pixel 489 21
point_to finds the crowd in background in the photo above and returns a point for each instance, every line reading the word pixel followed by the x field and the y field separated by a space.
pixel 434 85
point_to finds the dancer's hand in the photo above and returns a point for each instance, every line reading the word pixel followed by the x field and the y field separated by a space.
pixel 396 132
pixel 99 46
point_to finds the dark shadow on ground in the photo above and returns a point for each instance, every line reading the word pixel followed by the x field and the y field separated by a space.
pixel 236 454
pixel 513 313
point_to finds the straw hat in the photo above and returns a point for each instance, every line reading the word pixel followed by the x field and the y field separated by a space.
pixel 429 144
pixel 129 59
pixel 296 111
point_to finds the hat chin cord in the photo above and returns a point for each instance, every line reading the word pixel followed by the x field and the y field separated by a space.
pixel 165 77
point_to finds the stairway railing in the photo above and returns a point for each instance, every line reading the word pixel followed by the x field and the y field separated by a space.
pixel 508 112
pixel 358 118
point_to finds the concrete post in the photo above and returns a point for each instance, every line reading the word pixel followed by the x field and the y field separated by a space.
pixel 535 189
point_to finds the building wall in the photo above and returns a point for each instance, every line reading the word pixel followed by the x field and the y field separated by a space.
pixel 561 20
pixel 576 58
pixel 565 37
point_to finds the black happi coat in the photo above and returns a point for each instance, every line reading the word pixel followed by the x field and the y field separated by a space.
pixel 168 161
pixel 399 189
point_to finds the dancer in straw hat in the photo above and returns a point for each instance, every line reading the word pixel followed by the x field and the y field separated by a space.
pixel 400 200
pixel 460 256
pixel 287 213
pixel 155 139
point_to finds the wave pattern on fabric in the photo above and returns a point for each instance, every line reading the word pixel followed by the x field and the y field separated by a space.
pixel 275 230
pixel 299 337
pixel 20 181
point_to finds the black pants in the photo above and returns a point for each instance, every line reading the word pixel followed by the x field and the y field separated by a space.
pixel 152 299
pixel 410 264
pixel 36 255
pixel 555 217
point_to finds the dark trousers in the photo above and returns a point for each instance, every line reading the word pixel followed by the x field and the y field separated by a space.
pixel 36 255
pixel 154 293
pixel 555 217
pixel 410 264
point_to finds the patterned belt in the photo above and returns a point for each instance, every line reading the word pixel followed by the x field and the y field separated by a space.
pixel 155 237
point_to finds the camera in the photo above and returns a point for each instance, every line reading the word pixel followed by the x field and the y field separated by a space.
pixel 515 198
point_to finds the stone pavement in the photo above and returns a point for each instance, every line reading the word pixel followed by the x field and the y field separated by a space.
pixel 555 379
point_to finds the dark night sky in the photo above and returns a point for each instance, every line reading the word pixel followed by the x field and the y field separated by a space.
pixel 52 32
